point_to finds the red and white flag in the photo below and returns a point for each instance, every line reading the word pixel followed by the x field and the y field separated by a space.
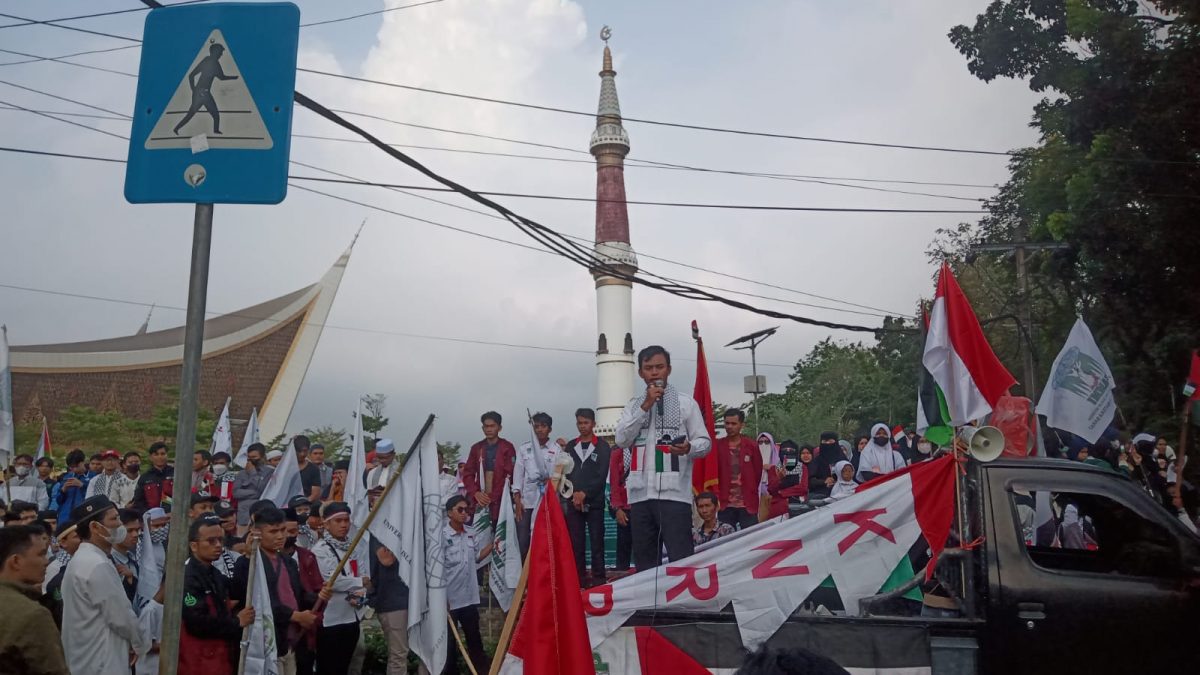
pixel 766 575
pixel 958 356
pixel 43 448
pixel 704 471
pixel 551 637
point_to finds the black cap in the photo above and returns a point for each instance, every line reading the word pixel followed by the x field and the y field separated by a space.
pixel 315 446
pixel 224 509
pixel 298 500
pixel 91 508
pixel 63 526
pixel 48 515
pixel 333 508
pixel 341 465
pixel 204 496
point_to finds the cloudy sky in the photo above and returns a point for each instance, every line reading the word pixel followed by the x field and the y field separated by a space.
pixel 872 70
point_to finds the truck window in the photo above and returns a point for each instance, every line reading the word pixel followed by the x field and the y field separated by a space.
pixel 1084 532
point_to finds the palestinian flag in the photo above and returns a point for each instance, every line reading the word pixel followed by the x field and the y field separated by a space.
pixel 959 358
pixel 713 647
pixel 932 416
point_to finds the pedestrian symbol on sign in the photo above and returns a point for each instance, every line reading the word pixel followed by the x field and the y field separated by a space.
pixel 213 85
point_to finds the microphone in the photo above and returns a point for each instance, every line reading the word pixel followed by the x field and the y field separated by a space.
pixel 659 403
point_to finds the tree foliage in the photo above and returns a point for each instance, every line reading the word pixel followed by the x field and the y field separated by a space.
pixel 91 429
pixel 846 387
pixel 334 440
pixel 450 453
pixel 373 419
pixel 1116 175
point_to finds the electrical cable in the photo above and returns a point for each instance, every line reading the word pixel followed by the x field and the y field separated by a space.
pixel 30 22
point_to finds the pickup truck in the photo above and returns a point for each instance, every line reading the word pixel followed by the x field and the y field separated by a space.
pixel 1109 584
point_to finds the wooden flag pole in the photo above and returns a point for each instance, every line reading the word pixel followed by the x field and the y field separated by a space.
pixel 371 515
pixel 249 603
pixel 461 648
pixel 514 610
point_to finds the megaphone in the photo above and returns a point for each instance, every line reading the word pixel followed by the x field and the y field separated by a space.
pixel 983 443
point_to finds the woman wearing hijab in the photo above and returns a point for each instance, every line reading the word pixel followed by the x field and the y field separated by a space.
pixel 845 485
pixel 770 457
pixel 878 458
pixel 788 479
pixel 820 476
pixel 829 452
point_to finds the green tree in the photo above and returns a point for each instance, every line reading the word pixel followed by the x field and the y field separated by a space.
pixel 449 452
pixel 280 442
pixel 93 429
pixel 1114 174
pixel 334 440
pixel 373 419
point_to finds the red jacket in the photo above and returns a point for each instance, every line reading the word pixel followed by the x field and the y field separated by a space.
pixel 199 656
pixel 618 497
pixel 506 456
pixel 779 495
pixel 752 467
pixel 311 581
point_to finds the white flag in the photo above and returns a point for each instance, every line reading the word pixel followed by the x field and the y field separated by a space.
pixel 149 578
pixel 356 489
pixel 43 447
pixel 505 559
pixel 409 523
pixel 7 444
pixel 1079 394
pixel 222 440
pixel 260 648
pixel 250 438
pixel 284 483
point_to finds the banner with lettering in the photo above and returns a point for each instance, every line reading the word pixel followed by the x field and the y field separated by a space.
pixel 765 575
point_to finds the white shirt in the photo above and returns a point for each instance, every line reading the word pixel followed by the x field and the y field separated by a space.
pixel 633 431
pixel 527 478
pixel 99 626
pixel 150 623
pixel 461 550
pixel 339 611
pixel 378 477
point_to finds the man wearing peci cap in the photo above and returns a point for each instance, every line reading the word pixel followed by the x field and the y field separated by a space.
pixel 100 634
pixel 377 478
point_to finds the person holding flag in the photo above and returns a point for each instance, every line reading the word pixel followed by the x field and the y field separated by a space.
pixel 489 465
pixel 462 552
pixel 664 431
pixel 530 471
pixel 208 643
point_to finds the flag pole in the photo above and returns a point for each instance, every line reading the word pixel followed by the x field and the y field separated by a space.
pixel 371 514
pixel 245 644
pixel 510 621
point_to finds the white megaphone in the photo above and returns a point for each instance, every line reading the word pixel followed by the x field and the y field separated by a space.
pixel 983 443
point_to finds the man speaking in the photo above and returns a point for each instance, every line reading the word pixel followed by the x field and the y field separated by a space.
pixel 663 431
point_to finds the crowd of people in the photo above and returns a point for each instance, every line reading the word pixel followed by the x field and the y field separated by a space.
pixel 82 560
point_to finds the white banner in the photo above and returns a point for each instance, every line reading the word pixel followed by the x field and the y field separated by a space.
pixel 248 439
pixel 1078 397
pixel 505 560
pixel 409 523
pixel 222 439
pixel 7 444
pixel 356 488
pixel 767 574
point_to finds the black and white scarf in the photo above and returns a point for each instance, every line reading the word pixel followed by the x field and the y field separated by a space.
pixel 669 423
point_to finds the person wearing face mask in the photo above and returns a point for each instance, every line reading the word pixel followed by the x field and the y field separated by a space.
pixel 222 483
pixel 100 631
pixel 25 478
pixel 249 484
pixel 924 449
pixel 110 482
pixel 26 627
pixel 878 458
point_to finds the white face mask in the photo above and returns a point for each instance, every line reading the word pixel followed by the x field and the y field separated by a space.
pixel 219 469
pixel 116 536
pixel 764 446
pixel 22 471
pixel 924 448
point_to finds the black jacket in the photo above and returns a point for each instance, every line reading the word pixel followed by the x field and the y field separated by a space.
pixel 152 486
pixel 590 476
pixel 207 620
pixel 388 593
pixel 280 612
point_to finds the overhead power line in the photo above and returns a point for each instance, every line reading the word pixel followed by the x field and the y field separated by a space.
pixel 359 16
pixel 355 329
pixel 54 22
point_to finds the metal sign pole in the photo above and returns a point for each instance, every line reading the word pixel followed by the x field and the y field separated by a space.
pixel 185 440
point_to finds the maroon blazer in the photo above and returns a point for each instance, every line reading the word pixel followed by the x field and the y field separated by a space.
pixel 752 467
pixel 506 456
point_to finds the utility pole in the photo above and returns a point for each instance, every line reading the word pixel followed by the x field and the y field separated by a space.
pixel 1019 246
pixel 754 385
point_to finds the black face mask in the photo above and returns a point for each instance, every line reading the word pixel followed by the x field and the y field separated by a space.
pixel 133 468
pixel 881 441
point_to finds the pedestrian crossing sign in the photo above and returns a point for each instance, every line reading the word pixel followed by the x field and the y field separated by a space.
pixel 213 113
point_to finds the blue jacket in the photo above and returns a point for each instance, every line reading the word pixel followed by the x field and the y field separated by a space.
pixel 65 499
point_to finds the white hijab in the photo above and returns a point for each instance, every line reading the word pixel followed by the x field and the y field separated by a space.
pixel 881 457
pixel 843 488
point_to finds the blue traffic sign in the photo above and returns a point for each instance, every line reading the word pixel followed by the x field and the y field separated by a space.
pixel 213 117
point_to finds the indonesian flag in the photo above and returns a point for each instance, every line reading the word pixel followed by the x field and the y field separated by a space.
pixel 958 356
pixel 43 448
pixel 551 637
pixel 704 471
pixel 766 574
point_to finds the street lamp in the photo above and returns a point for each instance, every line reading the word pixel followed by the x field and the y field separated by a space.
pixel 754 384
